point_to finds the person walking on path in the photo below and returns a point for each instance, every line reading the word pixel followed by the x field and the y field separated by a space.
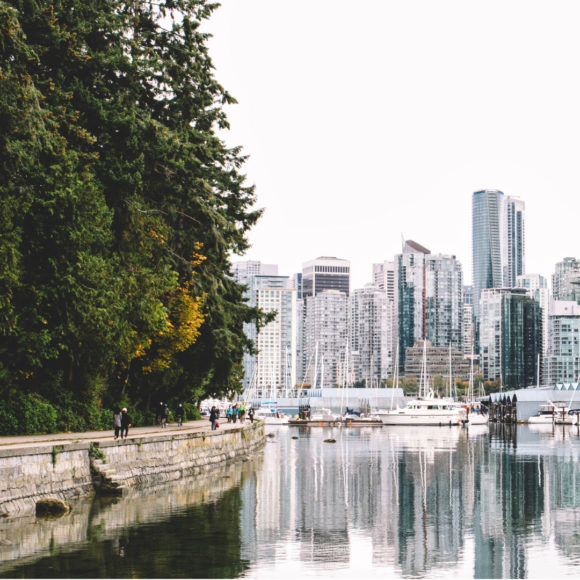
pixel 117 422
pixel 164 416
pixel 179 415
pixel 159 413
pixel 235 413
pixel 214 415
pixel 125 423
pixel 251 414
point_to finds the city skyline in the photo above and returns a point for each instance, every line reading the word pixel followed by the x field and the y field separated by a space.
pixel 354 145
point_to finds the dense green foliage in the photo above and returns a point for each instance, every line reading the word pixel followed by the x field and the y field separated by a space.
pixel 119 209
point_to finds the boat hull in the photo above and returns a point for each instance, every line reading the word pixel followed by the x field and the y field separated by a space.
pixel 420 419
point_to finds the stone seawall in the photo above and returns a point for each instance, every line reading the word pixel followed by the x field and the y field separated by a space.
pixel 70 470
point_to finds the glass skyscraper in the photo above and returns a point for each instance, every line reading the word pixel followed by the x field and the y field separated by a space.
pixel 498 243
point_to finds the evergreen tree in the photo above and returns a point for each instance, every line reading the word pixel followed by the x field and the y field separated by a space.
pixel 119 204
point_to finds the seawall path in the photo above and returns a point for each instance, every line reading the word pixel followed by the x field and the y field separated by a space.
pixel 68 465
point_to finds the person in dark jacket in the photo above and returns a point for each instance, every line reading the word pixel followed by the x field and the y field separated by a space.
pixel 214 415
pixel 117 422
pixel 125 423
pixel 165 416
pixel 179 413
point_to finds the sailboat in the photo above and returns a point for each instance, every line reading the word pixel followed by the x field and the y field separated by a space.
pixel 476 414
pixel 426 409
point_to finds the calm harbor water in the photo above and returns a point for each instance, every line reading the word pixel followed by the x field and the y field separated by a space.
pixel 497 502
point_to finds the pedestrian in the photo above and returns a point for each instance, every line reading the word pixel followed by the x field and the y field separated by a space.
pixel 164 416
pixel 117 422
pixel 229 414
pixel 159 415
pixel 179 415
pixel 242 412
pixel 251 414
pixel 235 413
pixel 213 417
pixel 125 423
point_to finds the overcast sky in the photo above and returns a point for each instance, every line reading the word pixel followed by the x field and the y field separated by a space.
pixel 368 121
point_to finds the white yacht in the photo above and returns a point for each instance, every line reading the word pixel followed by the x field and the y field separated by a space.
pixel 549 413
pixel 426 409
pixel 429 410
pixel 271 416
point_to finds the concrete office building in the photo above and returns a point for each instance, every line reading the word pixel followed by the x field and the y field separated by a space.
pixel 325 273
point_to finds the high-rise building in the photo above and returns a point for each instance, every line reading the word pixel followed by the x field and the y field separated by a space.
pixel 429 299
pixel 325 273
pixel 444 301
pixel 562 362
pixel 275 363
pixel 325 338
pixel 410 297
pixel 498 243
pixel 537 287
pixel 468 330
pixel 370 335
pixel 510 337
pixel 385 278
pixel 514 240
pixel 273 369
pixel 566 280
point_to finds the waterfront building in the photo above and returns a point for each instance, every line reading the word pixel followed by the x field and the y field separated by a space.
pixel 273 369
pixel 439 361
pixel 566 280
pixel 443 301
pixel 562 362
pixel 410 297
pixel 467 345
pixel 498 243
pixel 537 287
pixel 385 278
pixel 370 335
pixel 325 273
pixel 510 336
pixel 325 338
pixel 429 299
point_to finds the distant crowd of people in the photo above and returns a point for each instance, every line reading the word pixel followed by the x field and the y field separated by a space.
pixel 238 411
pixel 233 413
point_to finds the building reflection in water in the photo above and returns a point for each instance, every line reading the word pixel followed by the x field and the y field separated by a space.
pixel 485 502
pixel 485 499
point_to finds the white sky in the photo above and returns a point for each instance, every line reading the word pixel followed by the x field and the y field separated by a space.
pixel 369 120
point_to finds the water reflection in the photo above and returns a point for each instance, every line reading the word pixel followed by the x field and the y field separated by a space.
pixel 188 528
pixel 484 502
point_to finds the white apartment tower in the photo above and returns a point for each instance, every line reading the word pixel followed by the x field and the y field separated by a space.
pixel 273 370
pixel 325 338
pixel 562 362
pixel 370 335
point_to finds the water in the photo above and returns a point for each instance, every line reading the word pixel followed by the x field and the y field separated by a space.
pixel 497 502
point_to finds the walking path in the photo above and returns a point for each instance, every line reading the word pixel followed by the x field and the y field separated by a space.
pixel 134 433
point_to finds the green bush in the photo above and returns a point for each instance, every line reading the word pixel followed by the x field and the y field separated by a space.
pixel 191 412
